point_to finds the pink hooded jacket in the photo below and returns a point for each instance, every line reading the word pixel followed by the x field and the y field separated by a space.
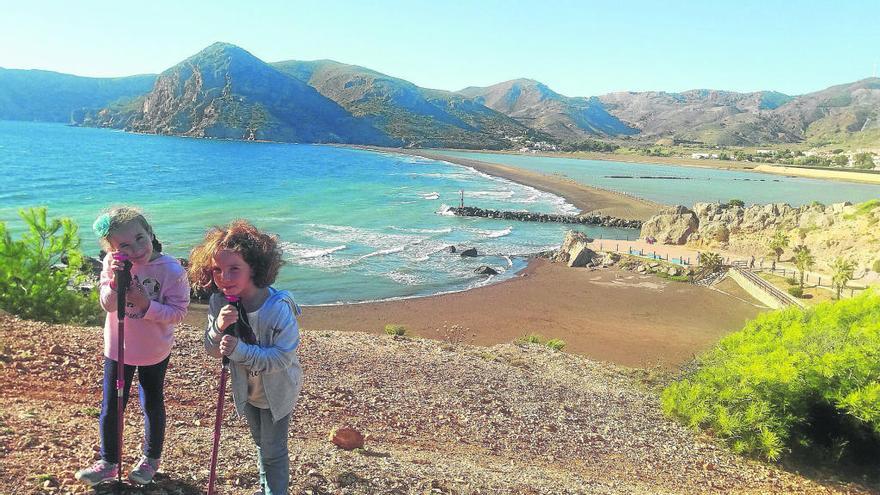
pixel 148 337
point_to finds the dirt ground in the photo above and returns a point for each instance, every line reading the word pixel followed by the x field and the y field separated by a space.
pixel 439 418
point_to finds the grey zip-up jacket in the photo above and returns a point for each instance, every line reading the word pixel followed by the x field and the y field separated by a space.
pixel 274 357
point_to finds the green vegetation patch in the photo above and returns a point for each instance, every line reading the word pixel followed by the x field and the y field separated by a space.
pixel 863 209
pixel 40 273
pixel 792 380
pixel 533 338
pixel 396 330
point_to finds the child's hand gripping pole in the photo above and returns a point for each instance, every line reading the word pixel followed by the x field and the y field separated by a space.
pixel 123 280
pixel 221 394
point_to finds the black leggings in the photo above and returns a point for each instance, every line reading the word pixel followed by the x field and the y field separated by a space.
pixel 151 384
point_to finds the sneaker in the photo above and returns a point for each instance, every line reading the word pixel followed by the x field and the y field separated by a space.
pixel 144 471
pixel 98 472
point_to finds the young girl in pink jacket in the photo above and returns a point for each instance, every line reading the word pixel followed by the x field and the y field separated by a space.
pixel 156 300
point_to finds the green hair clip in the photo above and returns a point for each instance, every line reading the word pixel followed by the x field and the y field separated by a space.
pixel 102 225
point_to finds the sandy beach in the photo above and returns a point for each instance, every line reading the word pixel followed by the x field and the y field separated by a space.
pixel 818 173
pixel 766 168
pixel 607 315
pixel 587 199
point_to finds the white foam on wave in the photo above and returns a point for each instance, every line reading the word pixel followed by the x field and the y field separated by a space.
pixel 321 257
pixel 559 204
pixel 489 194
pixel 445 210
pixel 383 252
pixel 314 253
pixel 410 244
pixel 491 234
pixel 422 231
pixel 433 195
pixel 404 278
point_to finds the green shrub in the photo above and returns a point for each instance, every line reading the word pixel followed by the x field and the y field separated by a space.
pixel 862 209
pixel 796 291
pixel 791 281
pixel 531 338
pixel 534 338
pixel 791 379
pixel 876 266
pixel 397 330
pixel 736 202
pixel 34 284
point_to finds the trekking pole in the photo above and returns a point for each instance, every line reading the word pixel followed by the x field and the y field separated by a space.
pixel 123 280
pixel 221 396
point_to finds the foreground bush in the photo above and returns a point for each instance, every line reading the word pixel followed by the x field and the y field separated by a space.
pixel 34 284
pixel 534 338
pixel 792 380
pixel 396 330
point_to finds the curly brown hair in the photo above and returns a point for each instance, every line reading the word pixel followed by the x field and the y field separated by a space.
pixel 259 250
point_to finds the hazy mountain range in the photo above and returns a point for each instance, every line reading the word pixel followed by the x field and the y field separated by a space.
pixel 225 92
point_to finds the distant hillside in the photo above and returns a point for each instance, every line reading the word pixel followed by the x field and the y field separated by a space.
pixel 706 116
pixel 54 97
pixel 837 112
pixel 537 106
pixel 416 116
pixel 225 92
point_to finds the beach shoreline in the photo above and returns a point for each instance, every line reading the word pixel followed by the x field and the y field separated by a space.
pixel 608 315
pixel 759 167
pixel 588 199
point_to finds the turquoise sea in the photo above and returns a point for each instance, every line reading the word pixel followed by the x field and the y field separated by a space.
pixel 355 225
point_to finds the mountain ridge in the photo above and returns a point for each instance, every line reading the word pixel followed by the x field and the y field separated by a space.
pixel 225 92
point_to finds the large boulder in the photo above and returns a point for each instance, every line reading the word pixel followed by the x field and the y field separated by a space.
pixel 672 225
pixel 574 250
pixel 485 270
pixel 469 253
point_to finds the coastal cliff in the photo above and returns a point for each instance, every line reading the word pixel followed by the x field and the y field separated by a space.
pixel 225 92
pixel 841 229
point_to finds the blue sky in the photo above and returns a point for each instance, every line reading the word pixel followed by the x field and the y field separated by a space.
pixel 577 48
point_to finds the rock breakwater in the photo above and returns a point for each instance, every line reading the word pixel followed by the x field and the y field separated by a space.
pixel 525 216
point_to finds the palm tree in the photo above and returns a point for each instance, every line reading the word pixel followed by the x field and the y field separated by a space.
pixel 710 261
pixel 778 243
pixel 842 272
pixel 803 260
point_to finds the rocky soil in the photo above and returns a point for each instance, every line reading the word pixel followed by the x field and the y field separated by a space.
pixel 439 417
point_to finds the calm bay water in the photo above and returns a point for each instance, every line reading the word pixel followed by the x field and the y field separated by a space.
pixel 355 225
pixel 681 185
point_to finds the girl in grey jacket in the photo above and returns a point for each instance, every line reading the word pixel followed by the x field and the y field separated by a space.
pixel 239 260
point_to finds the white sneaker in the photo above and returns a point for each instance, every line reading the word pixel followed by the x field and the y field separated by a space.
pixel 144 470
pixel 98 472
